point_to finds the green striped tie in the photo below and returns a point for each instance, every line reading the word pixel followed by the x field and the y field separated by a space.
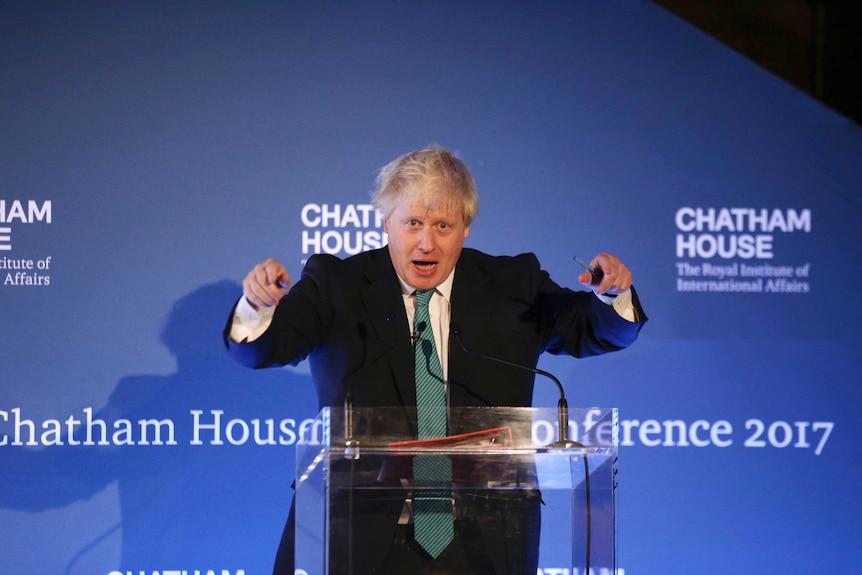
pixel 432 474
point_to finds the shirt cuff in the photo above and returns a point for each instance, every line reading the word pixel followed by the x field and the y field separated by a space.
pixel 622 304
pixel 248 323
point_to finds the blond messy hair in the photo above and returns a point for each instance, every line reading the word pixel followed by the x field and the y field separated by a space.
pixel 432 177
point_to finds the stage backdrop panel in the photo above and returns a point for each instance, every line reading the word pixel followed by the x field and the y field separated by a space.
pixel 151 153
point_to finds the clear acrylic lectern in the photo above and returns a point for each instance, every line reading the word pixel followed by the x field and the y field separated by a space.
pixel 354 485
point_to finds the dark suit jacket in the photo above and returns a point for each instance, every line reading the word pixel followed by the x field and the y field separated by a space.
pixel 348 318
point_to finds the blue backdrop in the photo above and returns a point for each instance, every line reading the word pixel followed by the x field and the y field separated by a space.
pixel 151 153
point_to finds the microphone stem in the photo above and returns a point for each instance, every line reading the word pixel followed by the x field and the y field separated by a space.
pixel 563 411
pixel 562 404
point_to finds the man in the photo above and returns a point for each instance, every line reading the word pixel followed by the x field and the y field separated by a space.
pixel 354 320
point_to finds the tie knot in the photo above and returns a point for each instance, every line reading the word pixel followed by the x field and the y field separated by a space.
pixel 423 296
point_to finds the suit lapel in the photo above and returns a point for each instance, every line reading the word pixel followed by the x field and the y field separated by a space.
pixel 471 306
pixel 472 309
pixel 385 308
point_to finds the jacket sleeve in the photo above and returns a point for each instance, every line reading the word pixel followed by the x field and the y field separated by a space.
pixel 578 323
pixel 298 324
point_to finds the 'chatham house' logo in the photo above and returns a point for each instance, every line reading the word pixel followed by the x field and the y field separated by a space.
pixel 732 250
pixel 340 229
pixel 15 270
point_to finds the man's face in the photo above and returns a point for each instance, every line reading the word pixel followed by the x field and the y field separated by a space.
pixel 424 245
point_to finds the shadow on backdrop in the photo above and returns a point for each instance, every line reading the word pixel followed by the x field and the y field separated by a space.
pixel 183 505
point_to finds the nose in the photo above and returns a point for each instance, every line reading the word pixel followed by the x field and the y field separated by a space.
pixel 427 241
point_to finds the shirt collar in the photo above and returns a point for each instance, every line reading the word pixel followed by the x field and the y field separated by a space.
pixel 444 289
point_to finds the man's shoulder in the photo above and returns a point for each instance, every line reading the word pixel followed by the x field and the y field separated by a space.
pixel 361 258
pixel 481 269
pixel 369 262
pixel 483 260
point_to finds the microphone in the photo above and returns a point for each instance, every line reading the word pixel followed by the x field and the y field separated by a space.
pixel 562 442
pixel 416 336
pixel 562 404
pixel 350 443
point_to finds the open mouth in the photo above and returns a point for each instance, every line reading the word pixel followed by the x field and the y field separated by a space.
pixel 424 266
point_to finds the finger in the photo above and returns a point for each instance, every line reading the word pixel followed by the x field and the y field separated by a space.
pixel 273 271
pixel 257 294
pixel 604 263
pixel 266 283
pixel 284 282
pixel 278 278
pixel 586 279
pixel 617 277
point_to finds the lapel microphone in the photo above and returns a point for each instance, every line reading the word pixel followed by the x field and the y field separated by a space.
pixel 416 336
